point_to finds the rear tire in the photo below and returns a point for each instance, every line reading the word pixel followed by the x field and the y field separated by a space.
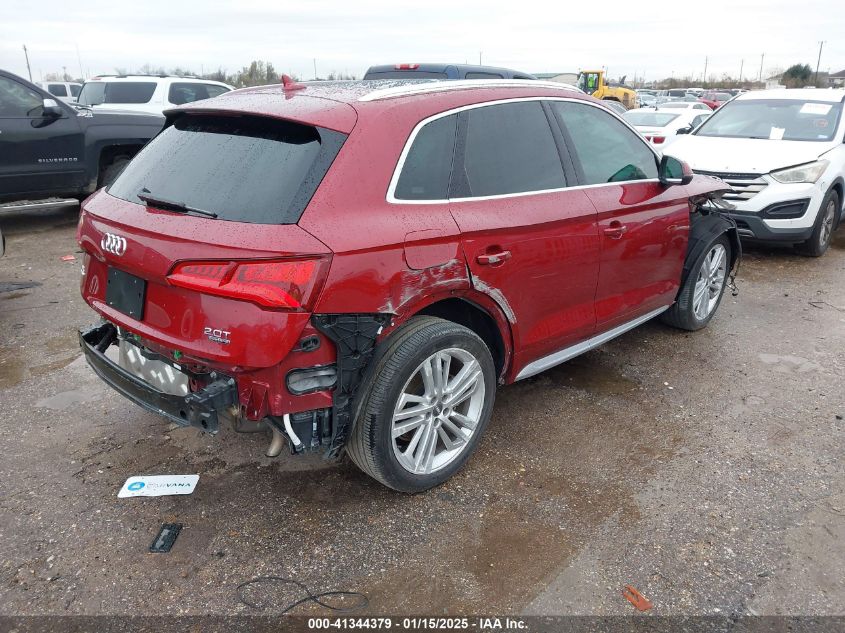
pixel 702 290
pixel 432 387
pixel 819 241
pixel 110 172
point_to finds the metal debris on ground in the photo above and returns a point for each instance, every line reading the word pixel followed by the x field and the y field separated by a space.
pixel 165 538
pixel 637 599
pixel 362 600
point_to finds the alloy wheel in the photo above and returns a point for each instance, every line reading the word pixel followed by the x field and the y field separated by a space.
pixel 827 224
pixel 708 285
pixel 437 411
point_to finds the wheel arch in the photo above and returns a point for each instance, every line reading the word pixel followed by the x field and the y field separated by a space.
pixel 839 187
pixel 473 316
pixel 704 228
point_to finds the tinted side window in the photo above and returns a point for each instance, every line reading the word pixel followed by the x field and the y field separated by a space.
pixel 510 149
pixel 17 101
pixel 428 165
pixel 74 89
pixel 477 75
pixel 129 91
pixel 607 150
pixel 186 92
pixel 57 90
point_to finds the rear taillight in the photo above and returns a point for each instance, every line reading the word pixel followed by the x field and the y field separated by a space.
pixel 289 284
pixel 657 140
pixel 406 66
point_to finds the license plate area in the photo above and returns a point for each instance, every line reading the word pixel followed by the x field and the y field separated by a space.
pixel 126 293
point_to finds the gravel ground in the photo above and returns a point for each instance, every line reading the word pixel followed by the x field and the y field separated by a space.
pixel 703 469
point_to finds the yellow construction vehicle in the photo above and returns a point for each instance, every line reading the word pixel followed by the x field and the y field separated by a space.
pixel 593 83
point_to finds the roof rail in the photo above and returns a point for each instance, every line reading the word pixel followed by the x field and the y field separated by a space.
pixel 462 84
pixel 161 76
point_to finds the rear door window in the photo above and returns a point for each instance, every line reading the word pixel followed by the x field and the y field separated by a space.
pixel 129 91
pixel 607 150
pixel 74 90
pixel 244 169
pixel 57 90
pixel 97 92
pixel 428 165
pixel 188 92
pixel 509 149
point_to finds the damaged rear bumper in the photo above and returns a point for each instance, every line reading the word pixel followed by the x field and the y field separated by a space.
pixel 201 409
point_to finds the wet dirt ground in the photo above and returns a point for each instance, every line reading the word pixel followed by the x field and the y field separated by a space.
pixel 703 469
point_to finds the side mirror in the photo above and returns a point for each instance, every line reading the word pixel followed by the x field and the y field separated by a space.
pixel 674 172
pixel 684 130
pixel 50 109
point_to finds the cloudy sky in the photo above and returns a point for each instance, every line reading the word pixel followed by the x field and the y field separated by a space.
pixel 631 37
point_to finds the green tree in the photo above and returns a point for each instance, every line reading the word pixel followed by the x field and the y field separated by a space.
pixel 797 76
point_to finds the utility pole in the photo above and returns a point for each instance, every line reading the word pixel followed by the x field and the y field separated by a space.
pixel 705 70
pixel 315 67
pixel 28 69
pixel 821 44
pixel 479 58
pixel 79 59
pixel 760 76
pixel 741 65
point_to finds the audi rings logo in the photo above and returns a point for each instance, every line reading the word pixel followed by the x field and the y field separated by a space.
pixel 113 244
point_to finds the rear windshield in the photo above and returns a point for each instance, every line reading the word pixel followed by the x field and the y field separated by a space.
pixel 97 92
pixel 405 74
pixel 244 169
pixel 775 119
pixel 650 119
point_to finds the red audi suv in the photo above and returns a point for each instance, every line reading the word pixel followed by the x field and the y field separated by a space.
pixel 356 266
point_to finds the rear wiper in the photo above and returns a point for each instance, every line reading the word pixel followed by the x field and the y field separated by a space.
pixel 171 205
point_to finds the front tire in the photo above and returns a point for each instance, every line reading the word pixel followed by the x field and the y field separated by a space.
pixel 427 404
pixel 819 241
pixel 702 291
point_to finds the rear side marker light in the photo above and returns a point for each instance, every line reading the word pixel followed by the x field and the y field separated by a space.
pixel 289 284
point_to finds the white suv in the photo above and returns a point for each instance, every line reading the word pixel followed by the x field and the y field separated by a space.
pixel 67 91
pixel 147 93
pixel 782 152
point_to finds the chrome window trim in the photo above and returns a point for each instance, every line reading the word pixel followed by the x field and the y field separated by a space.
pixel 567 353
pixel 394 180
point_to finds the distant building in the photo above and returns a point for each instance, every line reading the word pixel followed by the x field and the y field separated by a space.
pixel 836 80
pixel 563 78
pixel 774 82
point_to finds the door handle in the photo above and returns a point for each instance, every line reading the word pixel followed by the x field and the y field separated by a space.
pixel 492 259
pixel 615 230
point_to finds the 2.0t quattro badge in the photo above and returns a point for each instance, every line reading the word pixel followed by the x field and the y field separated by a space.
pixel 113 244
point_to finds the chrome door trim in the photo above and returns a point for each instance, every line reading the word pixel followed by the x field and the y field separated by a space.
pixel 561 356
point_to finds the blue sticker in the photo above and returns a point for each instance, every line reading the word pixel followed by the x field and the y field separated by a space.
pixel 135 485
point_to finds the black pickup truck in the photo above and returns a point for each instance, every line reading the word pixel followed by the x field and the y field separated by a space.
pixel 49 148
